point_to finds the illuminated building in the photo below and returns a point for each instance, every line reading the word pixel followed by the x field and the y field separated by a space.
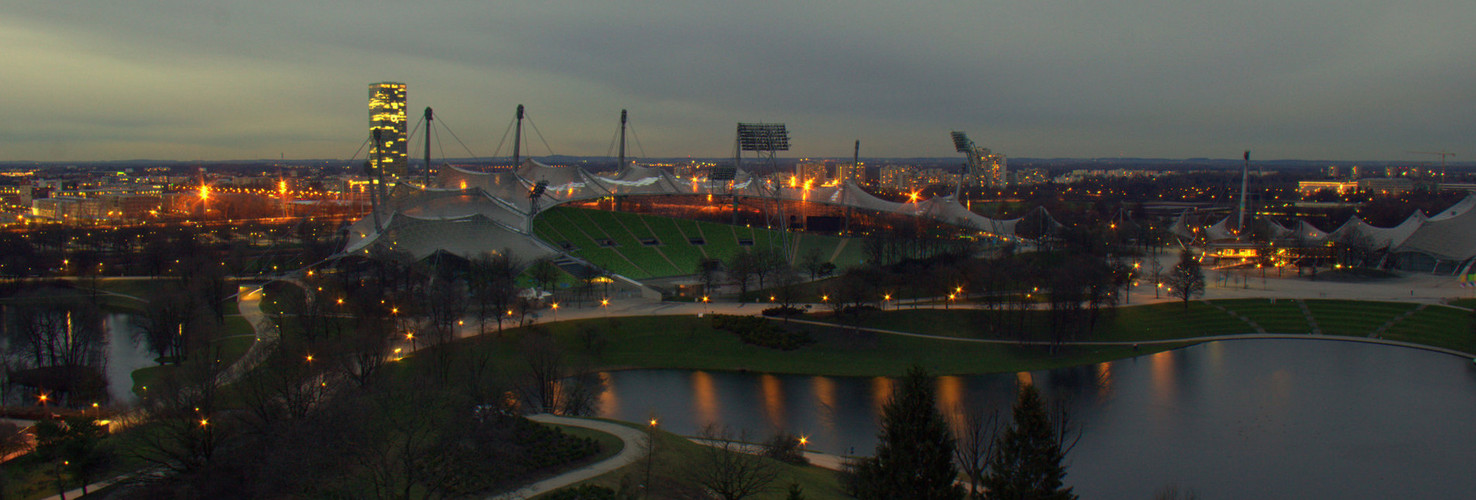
pixel 896 177
pixel 387 117
pixel 812 171
pixel 851 172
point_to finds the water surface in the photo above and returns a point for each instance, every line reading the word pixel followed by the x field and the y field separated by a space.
pixel 1238 419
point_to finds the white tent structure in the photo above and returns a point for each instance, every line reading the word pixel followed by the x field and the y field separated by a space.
pixel 498 209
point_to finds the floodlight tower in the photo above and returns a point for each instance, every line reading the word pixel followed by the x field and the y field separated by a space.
pixel 766 140
pixel 962 144
pixel 725 175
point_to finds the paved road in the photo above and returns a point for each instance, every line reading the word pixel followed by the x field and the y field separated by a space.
pixel 633 450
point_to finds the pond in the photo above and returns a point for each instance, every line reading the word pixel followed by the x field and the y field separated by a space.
pixel 1237 419
pixel 120 355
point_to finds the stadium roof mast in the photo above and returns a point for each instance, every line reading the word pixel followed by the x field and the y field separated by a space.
pixel 766 140
pixel 517 139
pixel 376 180
pixel 429 115
pixel 620 167
pixel 1244 176
pixel 962 144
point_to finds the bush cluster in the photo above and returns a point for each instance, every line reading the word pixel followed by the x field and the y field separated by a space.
pixel 760 332
pixel 782 311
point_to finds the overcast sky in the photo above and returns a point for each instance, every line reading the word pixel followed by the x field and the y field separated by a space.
pixel 214 80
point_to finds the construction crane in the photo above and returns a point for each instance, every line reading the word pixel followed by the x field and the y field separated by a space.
pixel 1442 154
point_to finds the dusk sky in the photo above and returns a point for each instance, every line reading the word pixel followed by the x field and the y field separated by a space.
pixel 216 80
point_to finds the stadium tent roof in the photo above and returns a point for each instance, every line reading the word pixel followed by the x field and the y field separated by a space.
pixel 1382 237
pixel 1461 207
pixel 1181 227
pixel 1220 230
pixel 469 201
pixel 1452 237
pixel 465 236
pixel 947 209
pixel 637 180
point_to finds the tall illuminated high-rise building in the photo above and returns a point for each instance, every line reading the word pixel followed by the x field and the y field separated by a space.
pixel 387 116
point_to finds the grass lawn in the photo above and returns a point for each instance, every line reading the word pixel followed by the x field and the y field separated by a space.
pixel 675 456
pixel 237 338
pixel 1354 318
pixel 1283 316
pixel 1439 326
pixel 1136 323
pixel 688 342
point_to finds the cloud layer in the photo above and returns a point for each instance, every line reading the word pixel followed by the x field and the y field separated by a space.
pixel 176 79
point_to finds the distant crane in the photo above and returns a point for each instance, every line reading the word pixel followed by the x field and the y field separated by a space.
pixel 1442 154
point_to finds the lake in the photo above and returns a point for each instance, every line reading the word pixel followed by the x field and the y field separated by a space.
pixel 1235 419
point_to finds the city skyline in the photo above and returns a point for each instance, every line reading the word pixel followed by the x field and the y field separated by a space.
pixel 221 81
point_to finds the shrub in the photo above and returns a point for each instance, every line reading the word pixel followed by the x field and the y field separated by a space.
pixel 782 311
pixel 785 447
pixel 758 331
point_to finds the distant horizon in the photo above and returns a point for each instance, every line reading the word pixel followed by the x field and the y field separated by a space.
pixel 750 160
pixel 215 80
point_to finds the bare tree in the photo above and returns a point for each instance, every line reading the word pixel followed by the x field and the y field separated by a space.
pixel 167 322
pixel 546 369
pixel 187 426
pixel 407 457
pixel 974 447
pixel 726 468
pixel 446 304
pixel 366 350
pixel 491 281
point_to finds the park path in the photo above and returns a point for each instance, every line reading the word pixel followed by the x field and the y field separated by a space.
pixel 249 302
pixel 633 450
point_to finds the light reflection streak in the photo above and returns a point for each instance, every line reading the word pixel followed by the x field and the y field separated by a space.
pixel 705 397
pixel 773 393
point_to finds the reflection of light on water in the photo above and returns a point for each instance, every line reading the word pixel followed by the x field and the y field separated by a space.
pixel 1104 379
pixel 1162 366
pixel 609 404
pixel 881 391
pixel 1025 378
pixel 824 389
pixel 773 400
pixel 704 396
pixel 951 401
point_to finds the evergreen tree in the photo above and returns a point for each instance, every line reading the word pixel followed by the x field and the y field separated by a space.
pixel 1027 460
pixel 914 456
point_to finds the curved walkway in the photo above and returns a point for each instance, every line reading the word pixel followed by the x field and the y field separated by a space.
pixel 1183 340
pixel 634 449
pixel 249 302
